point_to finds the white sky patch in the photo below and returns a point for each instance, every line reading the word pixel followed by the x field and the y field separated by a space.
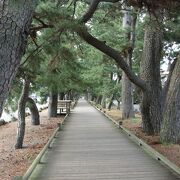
pixel 174 48
pixel 39 33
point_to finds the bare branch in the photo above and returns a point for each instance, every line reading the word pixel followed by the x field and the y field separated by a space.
pixel 34 40
pixel 100 45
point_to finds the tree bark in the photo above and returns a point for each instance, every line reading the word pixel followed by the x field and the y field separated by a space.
pixel 170 130
pixel 103 102
pixel 21 114
pixel 88 95
pixel 150 73
pixel 110 102
pixel 52 107
pixel 16 17
pixel 127 97
pixel 127 93
pixel 98 100
pixel 166 85
pixel 119 104
pixel 93 98
pixel 34 111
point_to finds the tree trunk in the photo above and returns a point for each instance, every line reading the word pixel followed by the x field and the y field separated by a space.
pixel 52 107
pixel 119 104
pixel 127 94
pixel 34 111
pixel 103 102
pixel 69 95
pixel 61 96
pixel 170 130
pixel 110 102
pixel 89 96
pixel 150 72
pixel 167 84
pixel 21 114
pixel 127 98
pixel 93 98
pixel 98 100
pixel 16 17
pixel 73 95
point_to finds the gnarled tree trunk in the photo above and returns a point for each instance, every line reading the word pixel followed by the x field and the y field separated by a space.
pixel 52 107
pixel 34 111
pixel 16 17
pixel 21 114
pixel 150 72
pixel 170 130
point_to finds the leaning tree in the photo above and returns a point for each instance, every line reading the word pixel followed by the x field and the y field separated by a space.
pixel 150 80
pixel 16 17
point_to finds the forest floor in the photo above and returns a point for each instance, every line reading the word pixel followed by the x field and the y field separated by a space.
pixel 16 162
pixel 172 152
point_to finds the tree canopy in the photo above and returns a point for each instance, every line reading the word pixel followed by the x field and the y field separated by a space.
pixel 82 46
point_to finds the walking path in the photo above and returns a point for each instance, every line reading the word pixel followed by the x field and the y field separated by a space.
pixel 90 147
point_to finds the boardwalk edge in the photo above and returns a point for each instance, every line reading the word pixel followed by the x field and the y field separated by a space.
pixel 40 155
pixel 156 155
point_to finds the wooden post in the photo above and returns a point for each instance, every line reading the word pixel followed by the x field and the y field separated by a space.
pixel 120 124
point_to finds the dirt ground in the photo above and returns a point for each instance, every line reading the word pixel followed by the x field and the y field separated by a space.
pixel 172 152
pixel 16 162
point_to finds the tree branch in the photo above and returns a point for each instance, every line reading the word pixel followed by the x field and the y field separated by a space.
pixel 33 39
pixel 83 33
pixel 92 8
pixel 38 19
pixel 37 28
pixel 42 26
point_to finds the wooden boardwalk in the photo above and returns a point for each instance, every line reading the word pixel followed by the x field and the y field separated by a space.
pixel 90 147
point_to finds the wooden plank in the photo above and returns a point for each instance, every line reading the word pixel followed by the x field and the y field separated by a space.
pixel 156 155
pixel 91 148
pixel 43 151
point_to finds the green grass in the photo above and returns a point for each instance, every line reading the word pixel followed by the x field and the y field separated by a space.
pixel 135 120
